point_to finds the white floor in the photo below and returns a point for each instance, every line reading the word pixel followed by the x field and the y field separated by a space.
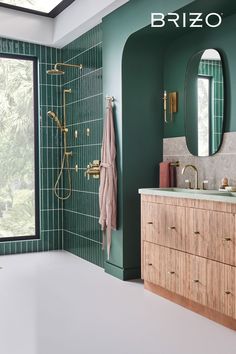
pixel 56 303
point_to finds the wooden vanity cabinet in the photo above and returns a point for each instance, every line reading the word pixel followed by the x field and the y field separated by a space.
pixel 188 254
pixel 211 234
pixel 164 224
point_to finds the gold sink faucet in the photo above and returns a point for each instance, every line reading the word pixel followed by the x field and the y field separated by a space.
pixel 195 172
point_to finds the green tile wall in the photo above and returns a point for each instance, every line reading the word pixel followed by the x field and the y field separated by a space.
pixel 72 224
pixel 213 68
pixel 81 231
pixel 50 149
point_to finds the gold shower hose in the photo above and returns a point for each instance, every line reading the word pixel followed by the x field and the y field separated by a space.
pixel 66 154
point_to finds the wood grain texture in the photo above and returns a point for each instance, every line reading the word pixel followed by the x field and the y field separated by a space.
pixel 196 279
pixel 191 305
pixel 211 234
pixel 165 267
pixel 189 254
pixel 191 203
pixel 163 224
pixel 221 288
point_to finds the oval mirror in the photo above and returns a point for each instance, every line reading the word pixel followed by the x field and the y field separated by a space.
pixel 204 103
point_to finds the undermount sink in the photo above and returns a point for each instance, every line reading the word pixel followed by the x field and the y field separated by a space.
pixel 198 191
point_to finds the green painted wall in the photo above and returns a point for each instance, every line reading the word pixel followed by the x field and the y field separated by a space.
pixel 132 58
pixel 223 39
pixel 142 136
pixel 49 142
pixel 128 68
pixel 81 231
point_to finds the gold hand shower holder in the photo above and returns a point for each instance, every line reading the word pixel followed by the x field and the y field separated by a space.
pixel 66 153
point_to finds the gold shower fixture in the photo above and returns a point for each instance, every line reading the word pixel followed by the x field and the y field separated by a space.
pixel 56 71
pixel 93 169
pixel 54 117
pixel 65 164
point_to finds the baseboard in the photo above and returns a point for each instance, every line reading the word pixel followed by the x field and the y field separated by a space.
pixel 122 273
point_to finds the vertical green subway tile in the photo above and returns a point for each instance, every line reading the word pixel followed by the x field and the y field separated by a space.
pixel 2 249
pixel 82 235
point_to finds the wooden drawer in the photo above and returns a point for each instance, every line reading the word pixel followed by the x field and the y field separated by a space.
pixel 221 288
pixel 196 279
pixel 176 271
pixel 211 234
pixel 163 224
pixel 164 267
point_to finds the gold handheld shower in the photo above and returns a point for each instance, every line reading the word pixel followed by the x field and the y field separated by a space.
pixel 54 117
pixel 56 71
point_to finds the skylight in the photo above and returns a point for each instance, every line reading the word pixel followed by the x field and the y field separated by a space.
pixel 37 6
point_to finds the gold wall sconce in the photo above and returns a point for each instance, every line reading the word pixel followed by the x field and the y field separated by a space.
pixel 93 169
pixel 172 97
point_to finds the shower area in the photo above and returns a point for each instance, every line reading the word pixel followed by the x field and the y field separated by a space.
pixel 70 137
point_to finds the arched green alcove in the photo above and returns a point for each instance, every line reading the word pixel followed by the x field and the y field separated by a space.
pixel 134 60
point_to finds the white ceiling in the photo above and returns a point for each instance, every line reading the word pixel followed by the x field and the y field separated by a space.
pixel 75 20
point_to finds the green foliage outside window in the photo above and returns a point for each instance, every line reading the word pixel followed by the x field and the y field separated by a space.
pixel 17 195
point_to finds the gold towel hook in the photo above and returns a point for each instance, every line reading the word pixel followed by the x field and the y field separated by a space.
pixel 110 98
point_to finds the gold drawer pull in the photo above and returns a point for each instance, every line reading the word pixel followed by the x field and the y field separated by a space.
pixel 150 264
pixel 171 272
pixel 171 227
pixel 227 292
pixel 150 223
pixel 227 239
pixel 195 280
pixel 196 232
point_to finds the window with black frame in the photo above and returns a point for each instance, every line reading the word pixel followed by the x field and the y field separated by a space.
pixel 19 209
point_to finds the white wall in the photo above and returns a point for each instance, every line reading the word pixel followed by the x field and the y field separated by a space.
pixel 81 16
pixel 26 27
pixel 78 18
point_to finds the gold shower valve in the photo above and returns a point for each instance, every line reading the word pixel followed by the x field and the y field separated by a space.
pixel 93 169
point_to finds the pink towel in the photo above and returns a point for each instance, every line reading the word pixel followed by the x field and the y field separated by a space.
pixel 167 175
pixel 164 181
pixel 108 180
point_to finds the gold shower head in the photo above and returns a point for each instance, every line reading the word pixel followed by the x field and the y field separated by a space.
pixel 56 71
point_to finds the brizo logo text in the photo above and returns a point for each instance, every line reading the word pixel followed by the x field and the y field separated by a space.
pixel 192 19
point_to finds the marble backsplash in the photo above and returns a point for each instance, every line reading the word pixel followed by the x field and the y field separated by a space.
pixel 212 168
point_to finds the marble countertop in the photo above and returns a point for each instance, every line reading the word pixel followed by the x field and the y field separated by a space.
pixel 214 195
